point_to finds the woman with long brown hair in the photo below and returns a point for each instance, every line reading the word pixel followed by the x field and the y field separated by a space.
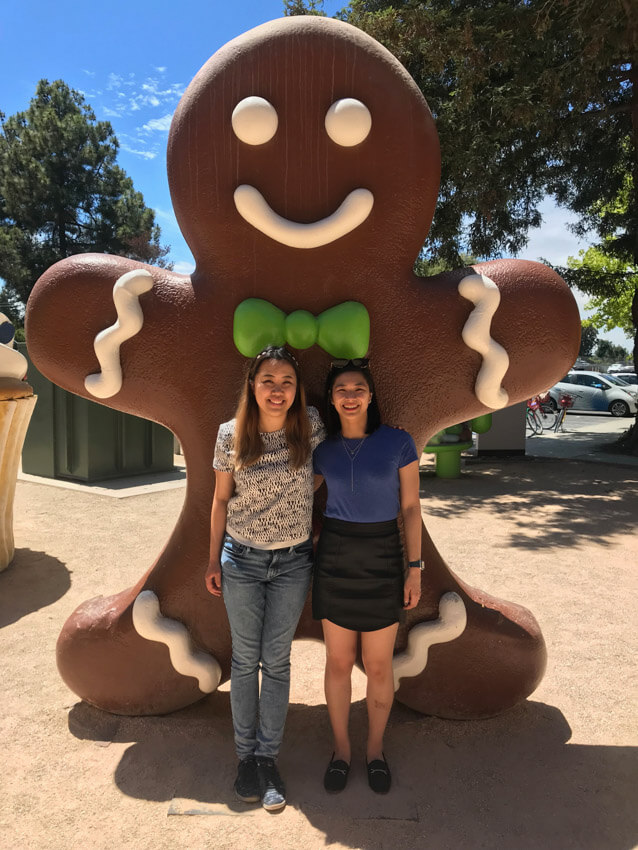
pixel 261 556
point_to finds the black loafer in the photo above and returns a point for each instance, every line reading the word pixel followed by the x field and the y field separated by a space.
pixel 336 776
pixel 379 778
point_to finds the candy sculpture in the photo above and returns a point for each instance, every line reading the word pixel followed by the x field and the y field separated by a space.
pixel 304 167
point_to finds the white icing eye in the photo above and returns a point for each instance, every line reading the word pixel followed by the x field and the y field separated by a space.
pixel 348 122
pixel 254 120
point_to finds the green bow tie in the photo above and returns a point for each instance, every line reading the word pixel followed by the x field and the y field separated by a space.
pixel 342 331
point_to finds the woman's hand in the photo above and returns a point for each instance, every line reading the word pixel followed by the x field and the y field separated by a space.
pixel 213 578
pixel 412 589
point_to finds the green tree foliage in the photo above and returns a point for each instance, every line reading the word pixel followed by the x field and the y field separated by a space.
pixel 588 339
pixel 427 267
pixel 531 97
pixel 303 7
pixel 62 193
pixel 609 274
pixel 611 283
pixel 608 351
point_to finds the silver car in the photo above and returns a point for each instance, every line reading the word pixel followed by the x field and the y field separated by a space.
pixel 594 392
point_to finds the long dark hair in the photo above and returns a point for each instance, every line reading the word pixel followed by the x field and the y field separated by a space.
pixel 248 444
pixel 333 423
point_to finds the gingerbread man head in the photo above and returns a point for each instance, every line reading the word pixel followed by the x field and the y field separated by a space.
pixel 292 137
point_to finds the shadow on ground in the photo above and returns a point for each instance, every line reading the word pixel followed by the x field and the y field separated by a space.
pixel 584 501
pixel 32 581
pixel 512 781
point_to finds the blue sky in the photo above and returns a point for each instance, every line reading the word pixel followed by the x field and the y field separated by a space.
pixel 133 60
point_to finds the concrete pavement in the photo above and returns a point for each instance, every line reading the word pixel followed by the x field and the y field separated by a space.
pixel 589 437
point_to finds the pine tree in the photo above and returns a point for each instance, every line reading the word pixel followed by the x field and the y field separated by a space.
pixel 62 193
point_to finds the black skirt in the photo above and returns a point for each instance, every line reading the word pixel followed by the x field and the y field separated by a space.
pixel 358 575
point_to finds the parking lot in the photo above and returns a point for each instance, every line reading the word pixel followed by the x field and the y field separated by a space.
pixel 587 436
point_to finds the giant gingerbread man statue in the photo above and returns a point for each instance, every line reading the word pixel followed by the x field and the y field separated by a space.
pixel 304 166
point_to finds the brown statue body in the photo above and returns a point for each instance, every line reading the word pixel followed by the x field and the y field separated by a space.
pixel 183 370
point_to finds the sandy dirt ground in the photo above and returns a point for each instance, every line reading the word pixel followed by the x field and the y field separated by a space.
pixel 559 771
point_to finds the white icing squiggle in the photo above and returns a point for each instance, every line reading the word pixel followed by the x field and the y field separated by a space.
pixel 450 624
pixel 152 625
pixel 254 208
pixel 484 294
pixel 130 319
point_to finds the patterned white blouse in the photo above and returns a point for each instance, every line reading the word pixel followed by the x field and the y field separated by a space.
pixel 272 503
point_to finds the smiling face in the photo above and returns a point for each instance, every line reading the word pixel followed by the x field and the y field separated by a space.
pixel 347 123
pixel 299 147
pixel 275 388
pixel 351 398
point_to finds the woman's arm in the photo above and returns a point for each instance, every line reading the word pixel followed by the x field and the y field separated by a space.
pixel 411 514
pixel 224 488
pixel 318 482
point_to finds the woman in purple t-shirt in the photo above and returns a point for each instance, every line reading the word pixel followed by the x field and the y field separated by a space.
pixel 359 588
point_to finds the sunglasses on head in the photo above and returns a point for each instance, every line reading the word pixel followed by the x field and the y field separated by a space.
pixel 357 362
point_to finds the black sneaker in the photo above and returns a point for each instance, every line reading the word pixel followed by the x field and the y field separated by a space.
pixel 247 783
pixel 271 785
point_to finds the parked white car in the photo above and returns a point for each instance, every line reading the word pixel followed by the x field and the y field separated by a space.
pixel 593 392
pixel 616 367
pixel 628 377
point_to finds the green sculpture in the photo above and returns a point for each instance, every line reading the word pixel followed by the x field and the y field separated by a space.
pixel 448 444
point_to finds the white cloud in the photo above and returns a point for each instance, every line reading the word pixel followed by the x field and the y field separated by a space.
pixel 132 95
pixel 144 154
pixel 161 69
pixel 152 95
pixel 167 216
pixel 114 81
pixel 117 81
pixel 88 73
pixel 159 124
pixel 184 267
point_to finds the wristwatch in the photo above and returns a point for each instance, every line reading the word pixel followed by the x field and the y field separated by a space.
pixel 416 565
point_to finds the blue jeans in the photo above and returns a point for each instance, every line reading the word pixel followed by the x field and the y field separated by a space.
pixel 264 592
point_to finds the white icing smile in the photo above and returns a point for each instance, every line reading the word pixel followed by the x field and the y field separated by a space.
pixel 253 208
pixel 347 123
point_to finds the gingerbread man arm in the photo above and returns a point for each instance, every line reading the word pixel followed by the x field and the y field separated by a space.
pixel 423 354
pixel 104 653
pixel 80 323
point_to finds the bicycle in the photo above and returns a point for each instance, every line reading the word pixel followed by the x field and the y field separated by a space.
pixel 540 415
pixel 533 423
pixel 564 403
